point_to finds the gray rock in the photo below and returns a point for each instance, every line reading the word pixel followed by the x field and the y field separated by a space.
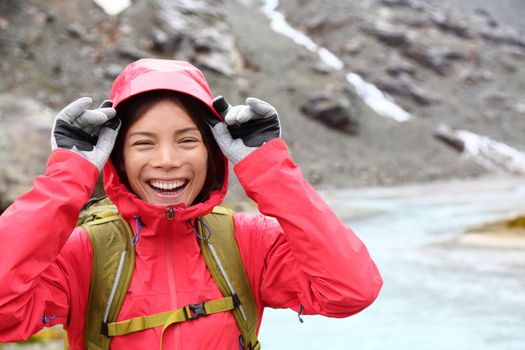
pixel 322 68
pixel 509 64
pixel 497 100
pixel 165 43
pixel 353 47
pixel 316 23
pixel 112 71
pixel 405 86
pixel 402 3
pixel 397 66
pixel 515 52
pixel 196 31
pixel 132 53
pixel 450 23
pixel 474 76
pixel 77 31
pixel 428 58
pixel 25 127
pixel 503 35
pixel 217 51
pixel 450 53
pixel 447 135
pixel 331 111
pixel 387 33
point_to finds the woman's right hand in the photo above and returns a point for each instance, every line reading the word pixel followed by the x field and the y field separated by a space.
pixel 89 133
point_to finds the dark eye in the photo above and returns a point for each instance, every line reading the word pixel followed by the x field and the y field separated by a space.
pixel 142 143
pixel 188 140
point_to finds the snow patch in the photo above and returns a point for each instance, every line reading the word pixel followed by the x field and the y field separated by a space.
pixel 373 97
pixel 492 154
pixel 376 99
pixel 278 23
pixel 113 7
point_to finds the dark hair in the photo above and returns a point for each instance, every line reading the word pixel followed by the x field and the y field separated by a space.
pixel 133 108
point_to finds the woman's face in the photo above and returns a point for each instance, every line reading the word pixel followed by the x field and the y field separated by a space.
pixel 165 158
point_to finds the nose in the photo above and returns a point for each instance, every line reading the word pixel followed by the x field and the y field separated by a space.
pixel 166 157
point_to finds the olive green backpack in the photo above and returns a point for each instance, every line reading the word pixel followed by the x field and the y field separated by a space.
pixel 112 270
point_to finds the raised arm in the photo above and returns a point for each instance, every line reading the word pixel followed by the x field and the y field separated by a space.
pixel 33 230
pixel 313 259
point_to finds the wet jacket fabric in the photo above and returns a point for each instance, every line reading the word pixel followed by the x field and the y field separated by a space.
pixel 297 252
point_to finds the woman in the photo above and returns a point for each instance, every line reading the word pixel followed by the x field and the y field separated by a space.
pixel 167 170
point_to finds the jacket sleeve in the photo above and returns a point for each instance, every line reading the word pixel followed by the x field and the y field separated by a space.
pixel 310 258
pixel 35 280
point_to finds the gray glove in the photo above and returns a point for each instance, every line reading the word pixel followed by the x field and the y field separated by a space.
pixel 247 127
pixel 89 133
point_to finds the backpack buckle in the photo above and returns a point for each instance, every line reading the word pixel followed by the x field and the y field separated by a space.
pixel 194 311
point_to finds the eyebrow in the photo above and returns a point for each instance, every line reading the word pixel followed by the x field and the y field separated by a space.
pixel 151 134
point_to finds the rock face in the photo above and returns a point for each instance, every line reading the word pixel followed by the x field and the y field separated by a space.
pixel 450 66
pixel 196 31
pixel 439 64
pixel 24 135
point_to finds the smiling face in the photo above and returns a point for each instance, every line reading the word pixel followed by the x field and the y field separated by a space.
pixel 164 155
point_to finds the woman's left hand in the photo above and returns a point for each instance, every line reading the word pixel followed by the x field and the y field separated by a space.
pixel 245 128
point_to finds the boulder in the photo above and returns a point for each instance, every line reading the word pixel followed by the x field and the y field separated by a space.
pixel 332 112
pixel 406 87
pixel 25 126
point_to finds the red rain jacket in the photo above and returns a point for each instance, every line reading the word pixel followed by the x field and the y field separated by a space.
pixel 306 257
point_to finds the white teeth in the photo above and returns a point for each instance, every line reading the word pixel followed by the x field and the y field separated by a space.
pixel 171 185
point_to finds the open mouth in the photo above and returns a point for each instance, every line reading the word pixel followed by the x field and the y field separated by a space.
pixel 166 187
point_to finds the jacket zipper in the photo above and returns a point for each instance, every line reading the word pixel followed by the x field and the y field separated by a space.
pixel 171 273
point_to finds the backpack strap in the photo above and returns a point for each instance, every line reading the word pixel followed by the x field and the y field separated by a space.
pixel 94 209
pixel 221 253
pixel 114 260
pixel 166 319
pixel 112 269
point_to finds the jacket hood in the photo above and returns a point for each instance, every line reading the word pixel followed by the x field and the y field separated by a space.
pixel 157 74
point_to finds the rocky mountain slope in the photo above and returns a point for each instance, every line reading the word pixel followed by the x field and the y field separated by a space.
pixel 439 65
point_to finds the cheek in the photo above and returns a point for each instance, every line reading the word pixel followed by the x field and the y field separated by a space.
pixel 204 163
pixel 200 164
pixel 131 164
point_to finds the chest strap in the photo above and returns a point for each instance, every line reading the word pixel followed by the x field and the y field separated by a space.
pixel 166 319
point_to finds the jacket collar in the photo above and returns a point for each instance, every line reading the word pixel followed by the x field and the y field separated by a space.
pixel 129 205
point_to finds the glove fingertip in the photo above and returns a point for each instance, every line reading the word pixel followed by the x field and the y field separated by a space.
pixel 85 102
pixel 260 107
pixel 113 123
pixel 211 119
pixel 106 104
pixel 108 112
pixel 235 115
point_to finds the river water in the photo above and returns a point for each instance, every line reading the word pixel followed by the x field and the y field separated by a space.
pixel 435 295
